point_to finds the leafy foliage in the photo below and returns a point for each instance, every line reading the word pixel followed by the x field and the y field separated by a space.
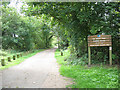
pixel 70 22
pixel 23 32
pixel 80 20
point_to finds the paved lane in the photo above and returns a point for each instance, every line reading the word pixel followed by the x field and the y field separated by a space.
pixel 38 71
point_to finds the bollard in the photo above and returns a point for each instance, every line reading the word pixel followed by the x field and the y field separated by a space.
pixel 9 60
pixel 17 56
pixel 13 57
pixel 3 62
pixel 61 53
pixel 21 55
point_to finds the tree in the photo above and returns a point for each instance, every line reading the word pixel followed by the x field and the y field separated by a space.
pixel 23 32
pixel 80 20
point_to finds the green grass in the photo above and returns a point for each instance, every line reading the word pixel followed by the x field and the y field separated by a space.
pixel 19 60
pixel 88 77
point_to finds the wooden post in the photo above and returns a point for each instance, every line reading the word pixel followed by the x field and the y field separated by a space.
pixel 89 56
pixel 17 55
pixel 110 55
pixel 13 57
pixel 61 53
pixel 3 62
pixel 9 60
pixel 21 55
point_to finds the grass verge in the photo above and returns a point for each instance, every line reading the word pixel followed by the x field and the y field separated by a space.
pixel 21 59
pixel 88 77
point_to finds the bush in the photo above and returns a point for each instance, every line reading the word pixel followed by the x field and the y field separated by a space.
pixel 77 61
pixel 3 53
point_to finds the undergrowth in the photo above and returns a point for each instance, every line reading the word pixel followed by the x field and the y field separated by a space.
pixel 96 76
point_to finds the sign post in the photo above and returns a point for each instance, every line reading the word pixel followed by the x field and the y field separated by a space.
pixel 99 40
pixel 89 56
pixel 110 55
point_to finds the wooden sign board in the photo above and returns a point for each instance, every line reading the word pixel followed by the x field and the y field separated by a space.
pixel 99 40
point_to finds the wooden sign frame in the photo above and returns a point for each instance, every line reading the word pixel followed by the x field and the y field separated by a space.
pixel 99 40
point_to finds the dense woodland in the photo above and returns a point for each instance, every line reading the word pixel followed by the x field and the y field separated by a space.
pixel 71 23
